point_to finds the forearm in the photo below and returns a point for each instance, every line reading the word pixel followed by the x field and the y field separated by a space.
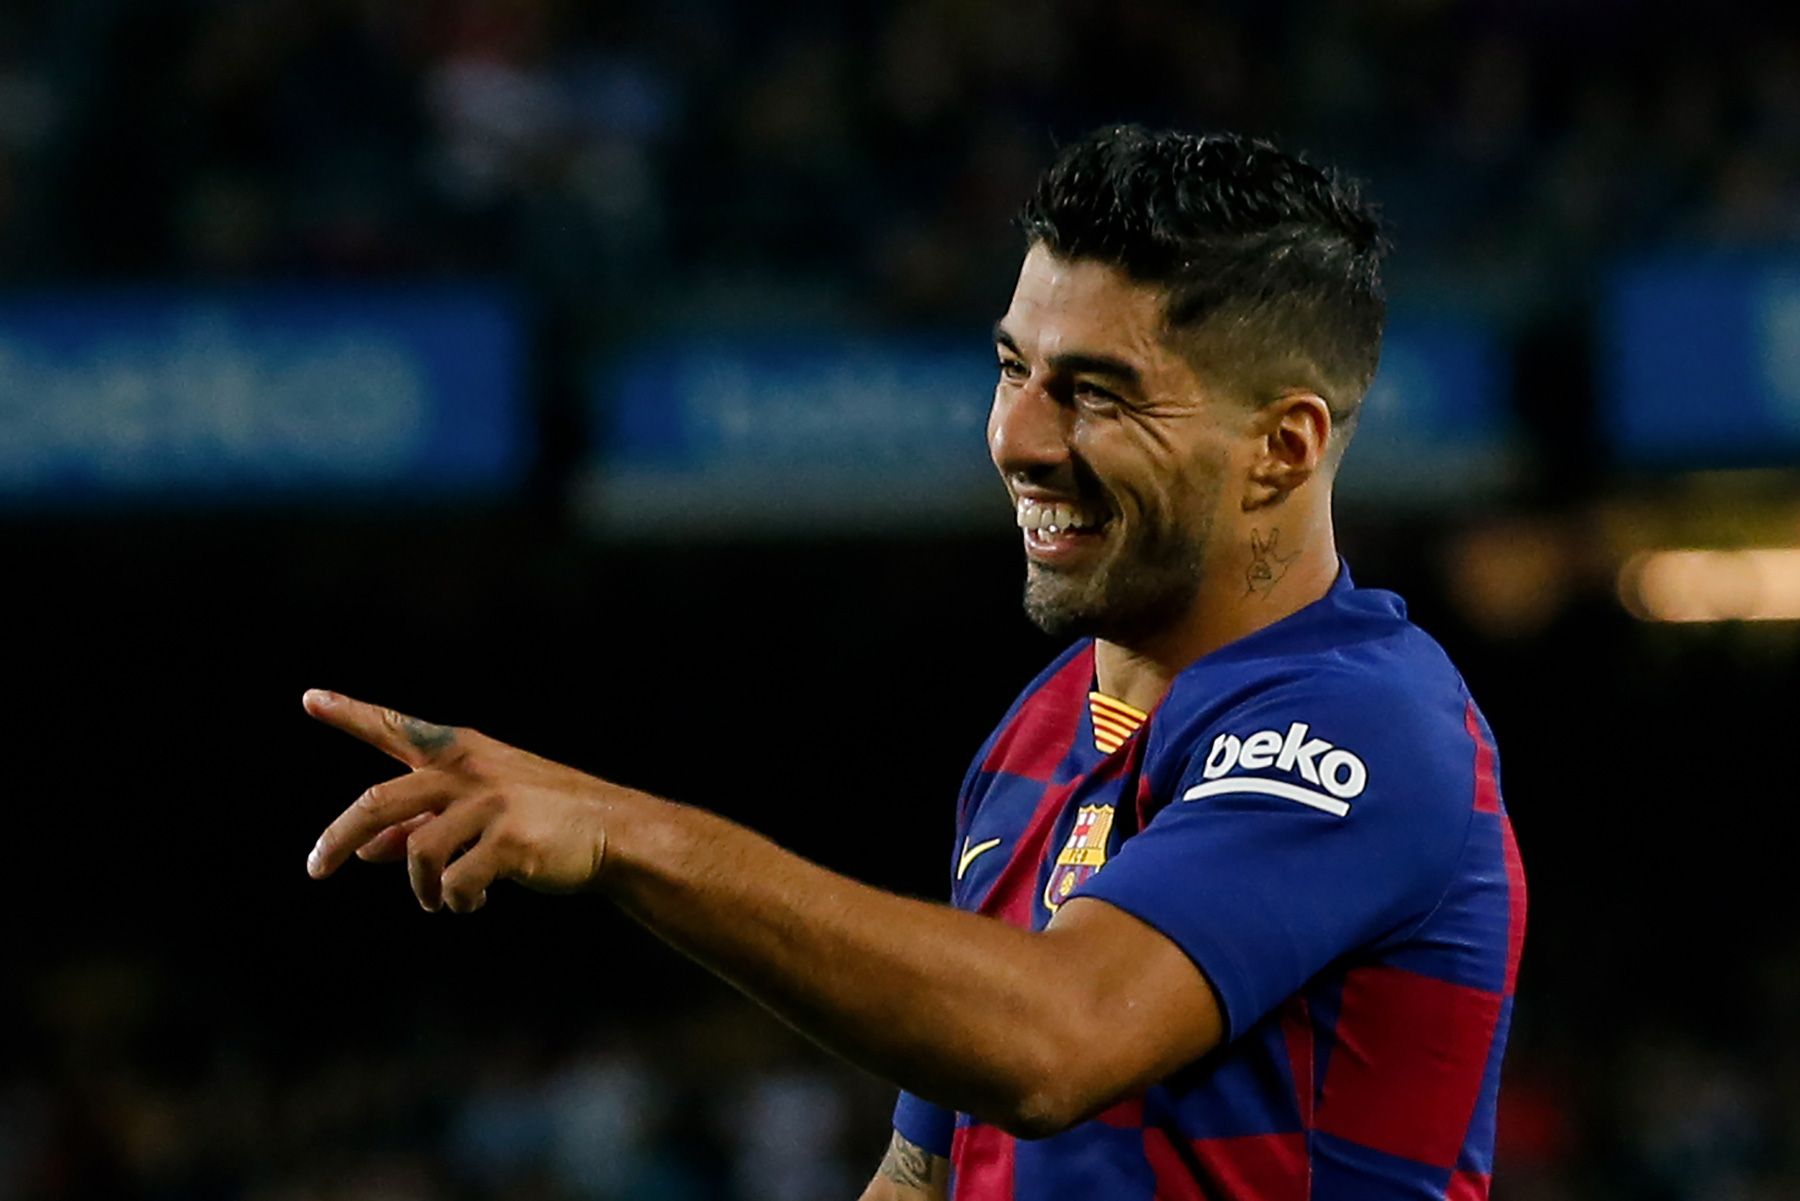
pixel 951 1005
pixel 908 1172
pixel 964 1010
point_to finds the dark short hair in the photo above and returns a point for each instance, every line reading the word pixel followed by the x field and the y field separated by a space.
pixel 1273 263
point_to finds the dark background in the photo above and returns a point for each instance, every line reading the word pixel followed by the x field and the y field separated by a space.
pixel 186 1015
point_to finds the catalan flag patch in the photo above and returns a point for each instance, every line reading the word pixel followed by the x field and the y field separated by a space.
pixel 1114 721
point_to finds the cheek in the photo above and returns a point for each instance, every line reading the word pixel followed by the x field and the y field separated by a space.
pixel 1170 489
pixel 1202 486
pixel 1142 471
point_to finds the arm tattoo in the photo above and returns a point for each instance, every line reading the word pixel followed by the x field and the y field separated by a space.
pixel 425 736
pixel 909 1164
pixel 1266 565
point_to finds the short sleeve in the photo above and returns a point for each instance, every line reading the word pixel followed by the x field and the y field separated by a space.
pixel 1307 823
pixel 924 1124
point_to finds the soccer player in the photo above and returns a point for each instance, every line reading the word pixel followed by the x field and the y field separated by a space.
pixel 1236 907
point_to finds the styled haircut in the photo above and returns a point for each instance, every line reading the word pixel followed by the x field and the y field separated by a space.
pixel 1270 265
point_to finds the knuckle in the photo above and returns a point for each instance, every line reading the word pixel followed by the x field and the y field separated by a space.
pixel 443 748
pixel 423 853
pixel 511 838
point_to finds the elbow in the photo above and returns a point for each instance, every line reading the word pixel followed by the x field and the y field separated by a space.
pixel 1040 1113
pixel 1061 1100
pixel 1037 1089
pixel 1049 1097
pixel 1048 1093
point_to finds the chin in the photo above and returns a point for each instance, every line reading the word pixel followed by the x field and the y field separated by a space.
pixel 1060 610
pixel 1096 605
pixel 1062 624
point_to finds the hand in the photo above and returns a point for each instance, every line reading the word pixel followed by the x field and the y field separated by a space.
pixel 472 811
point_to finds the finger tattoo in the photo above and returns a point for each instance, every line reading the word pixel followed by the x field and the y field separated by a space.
pixel 427 736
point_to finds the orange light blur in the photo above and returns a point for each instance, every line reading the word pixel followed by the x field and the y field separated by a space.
pixel 1758 584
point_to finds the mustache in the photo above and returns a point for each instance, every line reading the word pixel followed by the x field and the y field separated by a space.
pixel 1088 488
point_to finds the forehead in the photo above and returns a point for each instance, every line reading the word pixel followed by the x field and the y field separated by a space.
pixel 1078 305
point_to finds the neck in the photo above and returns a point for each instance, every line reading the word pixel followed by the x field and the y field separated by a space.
pixel 1274 570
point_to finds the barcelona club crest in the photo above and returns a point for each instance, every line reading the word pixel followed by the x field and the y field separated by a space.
pixel 1081 856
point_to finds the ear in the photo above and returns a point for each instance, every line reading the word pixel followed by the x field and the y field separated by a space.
pixel 1295 438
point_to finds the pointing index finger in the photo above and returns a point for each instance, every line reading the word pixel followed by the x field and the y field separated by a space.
pixel 413 742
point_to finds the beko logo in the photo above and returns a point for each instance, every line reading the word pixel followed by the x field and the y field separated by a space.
pixel 1340 773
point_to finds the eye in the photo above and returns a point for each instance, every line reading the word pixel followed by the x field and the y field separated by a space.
pixel 1093 396
pixel 1013 369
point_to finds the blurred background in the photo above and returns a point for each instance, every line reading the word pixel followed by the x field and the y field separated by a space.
pixel 611 378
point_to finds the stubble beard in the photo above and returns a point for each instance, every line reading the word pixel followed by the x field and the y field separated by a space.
pixel 1145 586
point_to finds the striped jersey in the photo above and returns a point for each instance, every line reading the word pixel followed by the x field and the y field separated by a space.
pixel 1313 814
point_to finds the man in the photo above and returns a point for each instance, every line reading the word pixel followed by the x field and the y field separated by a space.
pixel 1237 908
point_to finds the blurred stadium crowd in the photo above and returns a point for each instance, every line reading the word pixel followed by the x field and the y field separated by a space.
pixel 640 162
pixel 652 167
pixel 166 1092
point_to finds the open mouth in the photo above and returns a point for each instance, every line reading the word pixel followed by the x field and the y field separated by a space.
pixel 1056 530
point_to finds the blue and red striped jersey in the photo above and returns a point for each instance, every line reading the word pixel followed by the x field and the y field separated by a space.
pixel 1313 814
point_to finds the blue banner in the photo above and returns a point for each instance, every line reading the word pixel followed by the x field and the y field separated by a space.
pixel 794 432
pixel 1700 363
pixel 174 394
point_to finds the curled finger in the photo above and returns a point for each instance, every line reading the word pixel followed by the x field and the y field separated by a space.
pixel 430 848
pixel 465 882
pixel 390 844
pixel 387 804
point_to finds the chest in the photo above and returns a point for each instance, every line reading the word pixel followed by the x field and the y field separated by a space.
pixel 1026 842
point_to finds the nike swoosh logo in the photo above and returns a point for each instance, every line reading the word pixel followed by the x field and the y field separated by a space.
pixel 972 853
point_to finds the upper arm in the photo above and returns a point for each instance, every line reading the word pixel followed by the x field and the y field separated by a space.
pixel 1144 1008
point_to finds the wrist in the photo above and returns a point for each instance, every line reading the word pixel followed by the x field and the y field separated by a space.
pixel 628 830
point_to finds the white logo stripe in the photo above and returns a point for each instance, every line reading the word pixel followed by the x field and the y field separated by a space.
pixel 1279 788
pixel 971 853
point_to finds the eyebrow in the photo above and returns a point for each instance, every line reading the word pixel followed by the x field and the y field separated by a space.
pixel 1075 362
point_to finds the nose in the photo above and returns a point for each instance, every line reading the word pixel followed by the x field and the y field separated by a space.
pixel 1028 432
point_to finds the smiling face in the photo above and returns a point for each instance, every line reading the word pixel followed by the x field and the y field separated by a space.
pixel 1120 462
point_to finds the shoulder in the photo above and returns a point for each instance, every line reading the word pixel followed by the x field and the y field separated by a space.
pixel 1053 698
pixel 1039 725
pixel 1068 675
pixel 1365 712
pixel 1343 661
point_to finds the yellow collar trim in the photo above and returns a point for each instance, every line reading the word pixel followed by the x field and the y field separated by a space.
pixel 1114 721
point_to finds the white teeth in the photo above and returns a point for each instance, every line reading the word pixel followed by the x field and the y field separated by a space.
pixel 1050 518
